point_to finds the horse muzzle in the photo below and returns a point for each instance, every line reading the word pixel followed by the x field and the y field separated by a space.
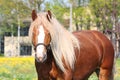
pixel 40 59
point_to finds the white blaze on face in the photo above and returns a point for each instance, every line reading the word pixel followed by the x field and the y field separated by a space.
pixel 41 37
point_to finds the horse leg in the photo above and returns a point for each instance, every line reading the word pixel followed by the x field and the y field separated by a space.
pixel 105 74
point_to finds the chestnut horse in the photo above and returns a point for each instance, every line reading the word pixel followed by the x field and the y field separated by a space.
pixel 69 56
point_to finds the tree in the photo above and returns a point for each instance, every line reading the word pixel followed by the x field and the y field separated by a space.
pixel 81 14
pixel 9 12
pixel 106 15
pixel 60 10
pixel 35 4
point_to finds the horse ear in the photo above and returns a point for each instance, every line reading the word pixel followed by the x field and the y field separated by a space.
pixel 34 15
pixel 49 15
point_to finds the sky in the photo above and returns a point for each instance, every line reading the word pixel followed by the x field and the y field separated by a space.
pixel 50 1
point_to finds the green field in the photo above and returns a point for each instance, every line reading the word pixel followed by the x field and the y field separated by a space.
pixel 22 68
pixel 17 68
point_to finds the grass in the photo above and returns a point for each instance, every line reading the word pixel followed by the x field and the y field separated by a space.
pixel 17 68
pixel 22 68
pixel 1 55
pixel 117 71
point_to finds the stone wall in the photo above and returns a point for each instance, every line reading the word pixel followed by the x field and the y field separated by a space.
pixel 11 45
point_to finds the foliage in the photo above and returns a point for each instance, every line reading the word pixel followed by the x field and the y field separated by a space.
pixel 59 9
pixel 9 13
pixel 80 14
pixel 101 12
pixel 34 4
pixel 81 17
pixel 104 11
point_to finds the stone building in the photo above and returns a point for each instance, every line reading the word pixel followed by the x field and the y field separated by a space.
pixel 15 48
pixel 22 47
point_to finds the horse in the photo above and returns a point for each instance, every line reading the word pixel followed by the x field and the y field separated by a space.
pixel 74 56
pixel 43 69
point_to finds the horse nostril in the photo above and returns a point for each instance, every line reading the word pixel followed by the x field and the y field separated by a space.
pixel 40 58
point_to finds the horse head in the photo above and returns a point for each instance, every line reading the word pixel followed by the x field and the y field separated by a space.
pixel 40 37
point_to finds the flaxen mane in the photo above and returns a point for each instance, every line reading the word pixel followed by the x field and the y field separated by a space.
pixel 62 41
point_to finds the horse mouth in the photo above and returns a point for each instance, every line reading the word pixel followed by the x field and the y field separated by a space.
pixel 40 59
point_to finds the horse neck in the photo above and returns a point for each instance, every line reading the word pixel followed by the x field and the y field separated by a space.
pixel 50 57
